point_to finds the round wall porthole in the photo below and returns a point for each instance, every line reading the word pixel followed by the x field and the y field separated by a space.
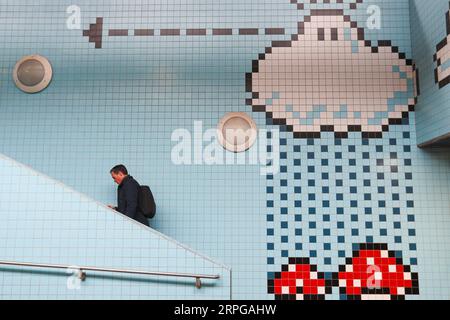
pixel 237 132
pixel 32 73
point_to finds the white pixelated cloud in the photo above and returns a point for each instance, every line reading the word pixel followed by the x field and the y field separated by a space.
pixel 329 78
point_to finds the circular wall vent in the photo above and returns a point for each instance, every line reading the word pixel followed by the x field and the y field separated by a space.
pixel 237 132
pixel 32 73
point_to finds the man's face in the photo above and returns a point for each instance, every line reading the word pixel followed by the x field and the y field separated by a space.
pixel 118 177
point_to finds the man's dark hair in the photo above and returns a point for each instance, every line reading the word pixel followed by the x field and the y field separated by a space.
pixel 119 168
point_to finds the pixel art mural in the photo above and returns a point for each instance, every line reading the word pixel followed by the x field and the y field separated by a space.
pixel 343 104
pixel 373 273
pixel 329 78
pixel 442 58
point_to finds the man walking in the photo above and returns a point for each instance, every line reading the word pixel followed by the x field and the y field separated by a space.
pixel 127 194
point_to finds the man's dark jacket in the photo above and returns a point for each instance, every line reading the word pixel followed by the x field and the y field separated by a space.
pixel 127 200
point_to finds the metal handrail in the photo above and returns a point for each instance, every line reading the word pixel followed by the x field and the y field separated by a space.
pixel 82 274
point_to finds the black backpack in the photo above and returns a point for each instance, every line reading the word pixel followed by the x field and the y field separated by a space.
pixel 147 204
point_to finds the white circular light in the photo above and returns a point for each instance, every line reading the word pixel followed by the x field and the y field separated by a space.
pixel 237 132
pixel 32 73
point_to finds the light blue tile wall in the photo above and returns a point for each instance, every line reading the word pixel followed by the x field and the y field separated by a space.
pixel 428 29
pixel 431 190
pixel 45 222
pixel 121 103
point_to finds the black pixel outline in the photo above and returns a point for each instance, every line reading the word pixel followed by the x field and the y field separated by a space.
pixel 352 5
